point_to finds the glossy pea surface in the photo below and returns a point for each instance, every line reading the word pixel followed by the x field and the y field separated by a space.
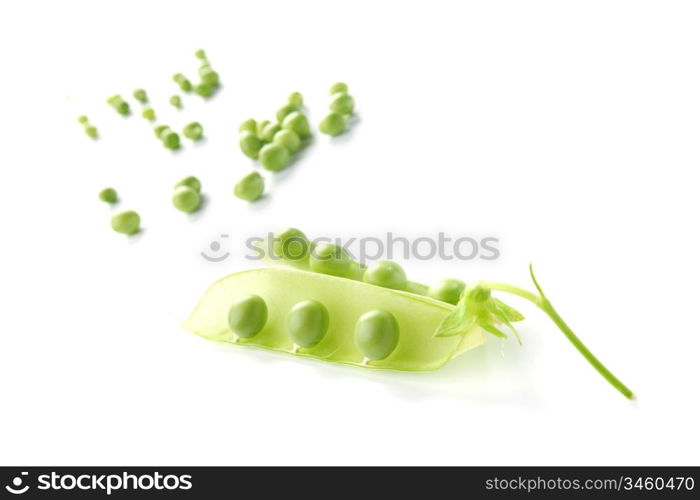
pixel 449 290
pixel 250 144
pixel 343 104
pixel 307 323
pixel 273 157
pixel 249 125
pixel 333 124
pixel 193 131
pixel 149 114
pixel 186 199
pixel 108 195
pixel 288 140
pixel 338 87
pixel 376 334
pixel 127 222
pixel 191 182
pixel 386 273
pixel 297 123
pixel 328 258
pixel 170 139
pixel 141 96
pixel 291 244
pixel 248 316
pixel 286 110
pixel 269 131
pixel 296 99
pixel 250 187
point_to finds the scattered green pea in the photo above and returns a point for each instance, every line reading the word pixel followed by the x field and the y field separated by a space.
pixel 127 222
pixel 108 195
pixel 149 114
pixel 449 290
pixel 119 105
pixel 285 110
pixel 141 96
pixel 291 244
pixel 248 316
pixel 82 119
pixel 296 99
pixel 171 140
pixel 204 90
pixel 191 182
pixel 268 133
pixel 287 139
pixel 91 131
pixel 209 76
pixel 328 258
pixel 387 274
pixel 249 125
pixel 338 87
pixel 160 130
pixel 186 199
pixel 307 323
pixel 343 104
pixel 200 54
pixel 184 84
pixel 250 144
pixel 175 101
pixel 273 157
pixel 298 123
pixel 333 124
pixel 193 131
pixel 250 187
pixel 261 127
pixel 376 334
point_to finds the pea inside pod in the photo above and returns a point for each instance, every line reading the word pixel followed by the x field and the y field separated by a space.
pixel 307 322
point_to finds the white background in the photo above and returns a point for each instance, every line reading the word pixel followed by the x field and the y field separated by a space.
pixel 569 130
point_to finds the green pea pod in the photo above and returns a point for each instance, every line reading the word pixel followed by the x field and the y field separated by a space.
pixel 417 317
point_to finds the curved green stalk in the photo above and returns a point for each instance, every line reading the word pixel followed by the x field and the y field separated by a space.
pixel 545 305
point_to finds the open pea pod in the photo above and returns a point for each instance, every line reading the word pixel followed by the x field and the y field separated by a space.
pixel 359 328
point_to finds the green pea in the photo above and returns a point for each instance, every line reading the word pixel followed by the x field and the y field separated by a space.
pixel 249 125
pixel 91 131
pixel 171 140
pixel 287 139
pixel 291 244
pixel 268 133
pixel 261 126
pixel 184 84
pixel 191 182
pixel 449 290
pixel 141 96
pixel 204 90
pixel 338 87
pixel 149 114
pixel 250 144
pixel 307 322
pixel 376 334
pixel 82 119
pixel 297 123
pixel 296 99
pixel 186 199
pixel 127 222
pixel 328 258
pixel 285 110
pixel 108 195
pixel 387 274
pixel 250 187
pixel 160 130
pixel 209 76
pixel 176 101
pixel 193 131
pixel 333 124
pixel 273 157
pixel 119 105
pixel 248 316
pixel 343 104
pixel 200 54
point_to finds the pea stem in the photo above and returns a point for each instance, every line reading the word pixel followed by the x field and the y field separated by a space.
pixel 545 305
